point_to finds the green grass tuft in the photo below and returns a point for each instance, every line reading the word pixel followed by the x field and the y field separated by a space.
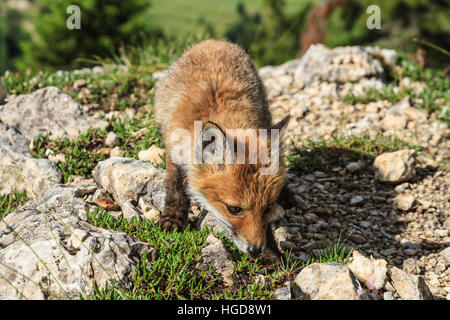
pixel 333 251
pixel 83 154
pixel 323 155
pixel 173 273
pixel 11 201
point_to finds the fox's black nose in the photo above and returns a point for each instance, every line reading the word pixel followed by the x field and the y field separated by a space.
pixel 254 250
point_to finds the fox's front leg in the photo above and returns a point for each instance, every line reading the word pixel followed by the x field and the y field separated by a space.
pixel 176 206
pixel 286 198
pixel 271 251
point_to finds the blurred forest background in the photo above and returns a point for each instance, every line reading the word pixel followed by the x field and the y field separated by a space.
pixel 34 36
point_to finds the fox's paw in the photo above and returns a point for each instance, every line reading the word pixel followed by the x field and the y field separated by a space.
pixel 171 223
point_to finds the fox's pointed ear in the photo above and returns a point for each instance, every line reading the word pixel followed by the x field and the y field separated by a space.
pixel 282 125
pixel 213 131
pixel 213 145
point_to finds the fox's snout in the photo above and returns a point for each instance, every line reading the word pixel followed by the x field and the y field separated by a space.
pixel 254 249
pixel 250 238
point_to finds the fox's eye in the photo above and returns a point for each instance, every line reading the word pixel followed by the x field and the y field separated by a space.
pixel 234 210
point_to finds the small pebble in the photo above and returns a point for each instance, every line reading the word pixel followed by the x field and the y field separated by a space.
pixel 356 200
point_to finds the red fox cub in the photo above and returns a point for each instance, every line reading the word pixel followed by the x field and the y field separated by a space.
pixel 211 90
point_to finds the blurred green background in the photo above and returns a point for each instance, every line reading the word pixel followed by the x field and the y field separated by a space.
pixel 34 36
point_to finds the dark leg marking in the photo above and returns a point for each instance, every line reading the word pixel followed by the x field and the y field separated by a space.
pixel 286 198
pixel 271 251
pixel 176 208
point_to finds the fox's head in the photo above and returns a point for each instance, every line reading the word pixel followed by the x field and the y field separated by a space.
pixel 241 195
